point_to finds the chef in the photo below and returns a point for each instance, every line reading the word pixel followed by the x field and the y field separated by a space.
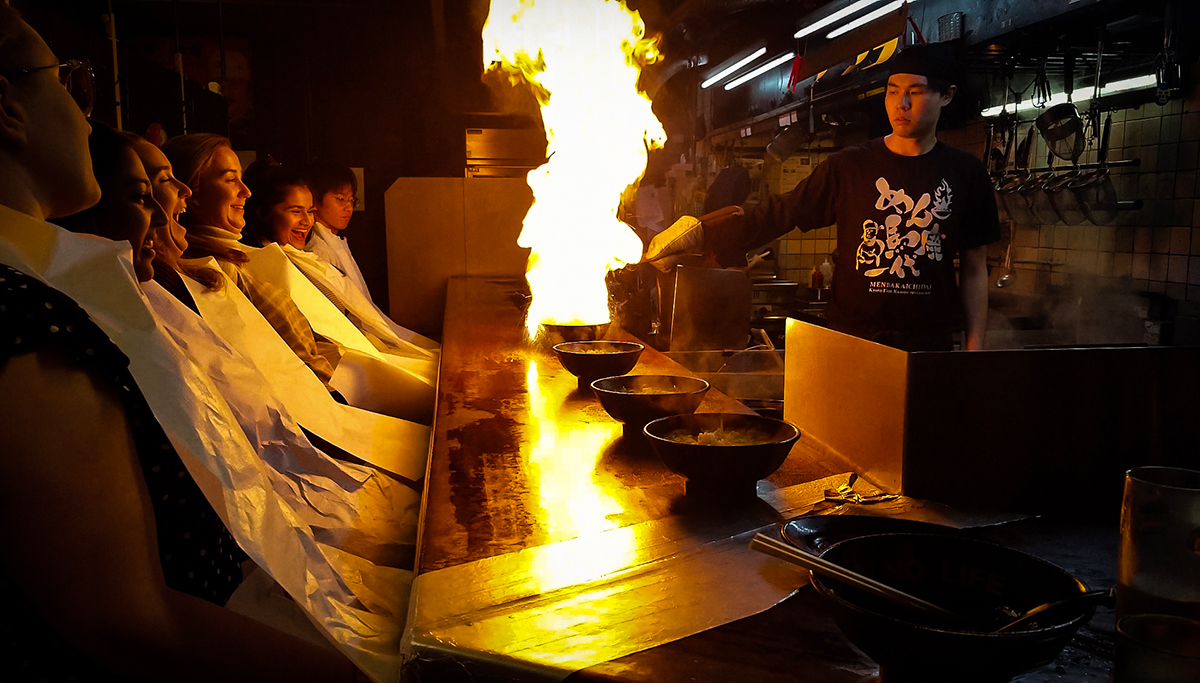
pixel 906 205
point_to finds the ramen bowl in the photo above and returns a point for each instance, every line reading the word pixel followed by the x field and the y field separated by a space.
pixel 638 399
pixel 589 360
pixel 721 454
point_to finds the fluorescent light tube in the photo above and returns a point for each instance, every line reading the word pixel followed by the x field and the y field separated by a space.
pixel 740 63
pixel 835 17
pixel 1130 84
pixel 866 19
pixel 1114 87
pixel 759 71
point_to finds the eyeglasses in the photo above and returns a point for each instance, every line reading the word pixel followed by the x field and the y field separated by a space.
pixel 76 77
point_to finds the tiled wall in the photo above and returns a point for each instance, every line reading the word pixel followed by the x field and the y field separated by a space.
pixel 1156 249
pixel 799 252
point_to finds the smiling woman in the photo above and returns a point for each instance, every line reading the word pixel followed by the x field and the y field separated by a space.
pixel 214 220
pixel 207 164
pixel 280 208
pixel 127 210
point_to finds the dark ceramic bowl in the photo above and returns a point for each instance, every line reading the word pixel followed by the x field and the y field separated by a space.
pixel 722 454
pixel 638 399
pixel 557 334
pixel 589 360
pixel 983 582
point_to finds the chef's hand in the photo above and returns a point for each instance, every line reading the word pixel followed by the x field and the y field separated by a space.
pixel 685 236
pixel 690 235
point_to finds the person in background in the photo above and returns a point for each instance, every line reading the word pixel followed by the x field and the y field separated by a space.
pixel 280 210
pixel 334 189
pixel 906 206
pixel 112 560
pixel 214 221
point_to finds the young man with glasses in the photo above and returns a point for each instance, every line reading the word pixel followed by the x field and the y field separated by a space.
pixel 44 162
pixel 334 190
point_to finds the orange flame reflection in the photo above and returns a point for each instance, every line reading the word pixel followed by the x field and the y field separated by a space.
pixel 582 58
pixel 562 460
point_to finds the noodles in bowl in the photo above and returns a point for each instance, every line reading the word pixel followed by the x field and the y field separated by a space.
pixel 722 453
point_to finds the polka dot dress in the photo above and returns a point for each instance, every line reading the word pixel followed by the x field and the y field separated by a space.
pixel 198 555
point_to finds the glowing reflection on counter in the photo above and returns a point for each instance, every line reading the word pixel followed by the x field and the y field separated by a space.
pixel 562 457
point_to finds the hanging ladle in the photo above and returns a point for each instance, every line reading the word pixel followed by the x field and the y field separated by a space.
pixel 1007 278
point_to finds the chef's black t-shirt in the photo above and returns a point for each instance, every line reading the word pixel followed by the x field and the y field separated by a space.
pixel 901 221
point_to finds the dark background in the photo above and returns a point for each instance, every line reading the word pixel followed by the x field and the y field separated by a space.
pixel 376 84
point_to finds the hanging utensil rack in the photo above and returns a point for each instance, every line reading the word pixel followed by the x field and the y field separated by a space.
pixel 1123 163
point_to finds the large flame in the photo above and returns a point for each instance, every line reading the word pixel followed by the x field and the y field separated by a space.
pixel 582 58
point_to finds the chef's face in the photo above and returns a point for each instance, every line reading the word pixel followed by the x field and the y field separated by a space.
pixel 913 107
pixel 292 219
pixel 171 195
pixel 336 208
pixel 128 211
pixel 219 198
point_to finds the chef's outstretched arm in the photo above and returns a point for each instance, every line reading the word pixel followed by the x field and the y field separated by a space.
pixel 808 206
pixel 973 286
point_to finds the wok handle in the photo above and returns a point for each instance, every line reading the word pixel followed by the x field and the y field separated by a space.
pixel 1069 74
pixel 1103 156
pixel 1029 146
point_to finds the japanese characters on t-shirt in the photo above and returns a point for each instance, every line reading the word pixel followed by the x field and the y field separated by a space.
pixel 901 222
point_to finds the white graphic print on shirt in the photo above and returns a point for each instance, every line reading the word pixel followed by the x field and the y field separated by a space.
pixel 886 250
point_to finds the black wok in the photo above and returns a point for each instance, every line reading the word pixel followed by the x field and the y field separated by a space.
pixel 984 582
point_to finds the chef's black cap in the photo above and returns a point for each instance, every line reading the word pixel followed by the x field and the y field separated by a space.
pixel 934 61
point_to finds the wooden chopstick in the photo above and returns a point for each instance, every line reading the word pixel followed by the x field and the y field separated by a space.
pixel 783 551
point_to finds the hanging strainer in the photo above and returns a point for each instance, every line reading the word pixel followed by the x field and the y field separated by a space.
pixel 1010 190
pixel 1095 190
pixel 1066 203
pixel 1040 206
pixel 1062 129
